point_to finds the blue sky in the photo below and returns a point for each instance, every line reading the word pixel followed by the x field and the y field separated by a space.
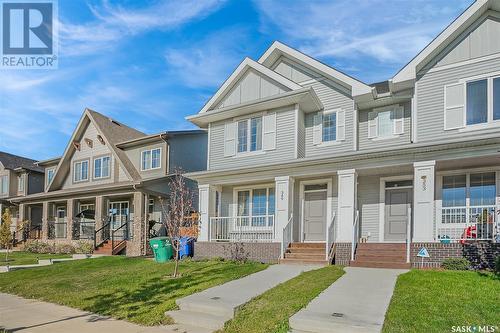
pixel 150 63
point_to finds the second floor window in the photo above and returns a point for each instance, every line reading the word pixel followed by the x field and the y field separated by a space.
pixel 4 184
pixel 478 96
pixel 50 175
pixel 20 183
pixel 81 171
pixel 250 135
pixel 329 127
pixel 386 122
pixel 151 159
pixel 101 167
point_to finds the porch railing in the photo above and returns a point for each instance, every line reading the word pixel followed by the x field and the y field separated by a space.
pixel 330 237
pixel 287 236
pixel 355 234
pixel 57 229
pixel 243 228
pixel 83 229
pixel 119 236
pixel 102 234
pixel 468 223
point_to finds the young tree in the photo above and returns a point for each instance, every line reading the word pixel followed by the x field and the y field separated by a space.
pixel 176 213
pixel 5 233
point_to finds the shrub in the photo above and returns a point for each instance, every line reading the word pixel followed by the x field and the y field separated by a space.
pixel 456 264
pixel 84 247
pixel 65 249
pixel 497 266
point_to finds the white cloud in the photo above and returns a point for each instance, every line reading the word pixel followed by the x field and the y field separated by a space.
pixel 386 31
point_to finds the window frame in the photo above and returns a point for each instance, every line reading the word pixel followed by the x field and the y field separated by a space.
pixel 101 158
pixel 49 179
pixel 21 180
pixel 7 186
pixel 268 188
pixel 151 159
pixel 328 113
pixel 81 180
pixel 392 109
pixel 490 102
pixel 468 173
pixel 248 131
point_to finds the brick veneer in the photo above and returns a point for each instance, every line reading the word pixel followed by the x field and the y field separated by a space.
pixel 262 252
pixel 342 254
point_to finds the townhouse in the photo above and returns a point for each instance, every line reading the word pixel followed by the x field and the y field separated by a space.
pixel 306 163
pixel 110 184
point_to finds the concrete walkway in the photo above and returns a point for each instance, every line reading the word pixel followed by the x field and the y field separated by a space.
pixel 357 302
pixel 211 308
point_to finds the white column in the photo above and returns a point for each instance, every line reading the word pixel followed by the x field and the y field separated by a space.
pixel 347 180
pixel 206 206
pixel 423 196
pixel 284 204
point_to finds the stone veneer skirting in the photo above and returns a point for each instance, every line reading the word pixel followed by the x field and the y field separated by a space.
pixel 261 252
pixel 342 254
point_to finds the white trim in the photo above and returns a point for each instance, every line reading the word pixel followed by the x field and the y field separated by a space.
pixel 337 141
pixel 382 189
pixel 356 125
pixel 208 146
pixel 414 112
pixel 464 63
pixel 296 134
pixel 250 189
pixel 329 207
pixel 248 119
pixel 101 157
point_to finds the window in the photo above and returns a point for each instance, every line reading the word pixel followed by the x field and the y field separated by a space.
pixel 496 98
pixel 477 102
pixel 151 206
pixel 81 171
pixel 256 206
pixel 4 184
pixel 101 167
pixel 482 189
pixel 385 124
pixel 454 191
pixel 50 175
pixel 20 183
pixel 151 159
pixel 329 127
pixel 249 135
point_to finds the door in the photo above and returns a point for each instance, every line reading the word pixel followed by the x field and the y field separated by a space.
pixel 60 226
pixel 397 202
pixel 315 216
pixel 119 213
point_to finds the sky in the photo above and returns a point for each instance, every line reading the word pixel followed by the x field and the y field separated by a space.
pixel 150 63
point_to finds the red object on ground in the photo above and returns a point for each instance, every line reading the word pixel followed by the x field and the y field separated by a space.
pixel 469 233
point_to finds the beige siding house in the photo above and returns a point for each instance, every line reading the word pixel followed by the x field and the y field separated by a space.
pixel 308 164
pixel 107 186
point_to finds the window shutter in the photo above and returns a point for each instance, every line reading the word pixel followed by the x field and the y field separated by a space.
pixel 269 131
pixel 340 125
pixel 372 124
pixel 318 128
pixel 230 139
pixel 454 106
pixel 398 120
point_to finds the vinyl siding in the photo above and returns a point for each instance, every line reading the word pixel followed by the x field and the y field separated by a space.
pixel 188 152
pixel 368 205
pixel 332 96
pixel 285 144
pixel 430 100
pixel 301 136
pixel 134 155
pixel 293 71
pixel 367 143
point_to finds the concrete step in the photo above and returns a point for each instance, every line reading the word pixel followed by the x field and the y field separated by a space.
pixel 305 250
pixel 303 261
pixel 306 256
pixel 380 256
pixel 199 319
pixel 380 264
pixel 321 323
pixel 307 245
pixel 205 307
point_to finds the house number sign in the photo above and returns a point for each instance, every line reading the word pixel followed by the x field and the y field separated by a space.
pixel 424 183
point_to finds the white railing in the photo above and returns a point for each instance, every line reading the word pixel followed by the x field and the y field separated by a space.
pixel 243 228
pixel 287 236
pixel 355 233
pixel 408 234
pixel 330 237
pixel 468 223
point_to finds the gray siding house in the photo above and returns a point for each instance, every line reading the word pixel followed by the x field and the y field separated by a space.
pixel 307 163
pixel 109 183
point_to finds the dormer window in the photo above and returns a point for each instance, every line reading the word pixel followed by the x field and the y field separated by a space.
pixel 81 171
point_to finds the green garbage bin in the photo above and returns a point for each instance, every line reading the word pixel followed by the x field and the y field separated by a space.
pixel 162 248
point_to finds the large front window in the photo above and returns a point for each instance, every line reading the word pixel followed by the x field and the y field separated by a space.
pixel 256 204
pixel 250 135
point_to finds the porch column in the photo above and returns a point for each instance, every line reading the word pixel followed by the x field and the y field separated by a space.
pixel 45 220
pixel 423 206
pixel 70 216
pixel 206 197
pixel 22 213
pixel 139 226
pixel 284 205
pixel 347 193
pixel 99 216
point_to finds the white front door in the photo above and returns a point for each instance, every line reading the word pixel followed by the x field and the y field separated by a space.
pixel 397 202
pixel 119 213
pixel 315 216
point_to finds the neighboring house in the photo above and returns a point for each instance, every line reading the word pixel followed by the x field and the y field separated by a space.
pixel 301 153
pixel 19 177
pixel 110 182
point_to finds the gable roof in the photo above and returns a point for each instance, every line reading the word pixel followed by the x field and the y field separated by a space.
pixel 13 162
pixel 246 64
pixel 278 49
pixel 112 132
pixel 450 33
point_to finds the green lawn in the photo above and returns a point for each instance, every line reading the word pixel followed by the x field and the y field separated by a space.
pixel 135 289
pixel 434 301
pixel 27 258
pixel 270 311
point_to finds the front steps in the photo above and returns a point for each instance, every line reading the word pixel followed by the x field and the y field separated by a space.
pixel 106 248
pixel 381 255
pixel 305 254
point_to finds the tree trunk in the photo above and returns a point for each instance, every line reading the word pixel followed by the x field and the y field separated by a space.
pixel 176 269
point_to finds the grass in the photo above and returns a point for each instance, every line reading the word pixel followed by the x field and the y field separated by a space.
pixel 270 311
pixel 434 301
pixel 134 289
pixel 27 258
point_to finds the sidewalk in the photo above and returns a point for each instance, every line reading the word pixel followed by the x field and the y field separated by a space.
pixel 357 302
